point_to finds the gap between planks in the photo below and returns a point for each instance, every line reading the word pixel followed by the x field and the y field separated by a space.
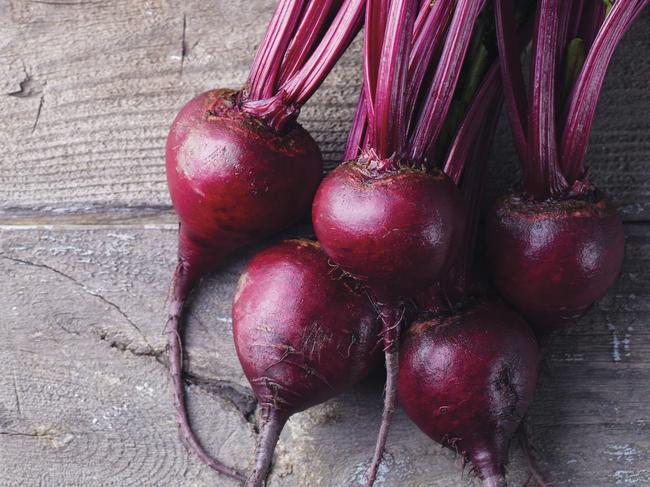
pixel 142 217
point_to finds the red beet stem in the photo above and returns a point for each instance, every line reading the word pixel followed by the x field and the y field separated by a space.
pixel 581 107
pixel 472 124
pixel 592 19
pixel 264 72
pixel 427 37
pixel 339 35
pixel 542 175
pixel 513 80
pixel 185 277
pixel 388 127
pixel 281 109
pixel 440 93
pixel 391 317
pixel 306 36
pixel 269 435
pixel 574 23
pixel 354 145
pixel 375 25
pixel 428 33
pixel 473 187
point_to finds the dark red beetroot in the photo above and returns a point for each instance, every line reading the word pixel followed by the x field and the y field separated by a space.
pixel 239 167
pixel 232 179
pixel 467 379
pixel 556 246
pixel 555 258
pixel 394 229
pixel 389 217
pixel 303 333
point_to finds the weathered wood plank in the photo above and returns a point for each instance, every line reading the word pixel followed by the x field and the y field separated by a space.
pixel 90 88
pixel 85 400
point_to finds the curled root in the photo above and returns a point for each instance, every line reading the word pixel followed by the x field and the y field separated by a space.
pixel 182 288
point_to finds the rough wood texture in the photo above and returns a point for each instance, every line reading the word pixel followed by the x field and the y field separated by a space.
pixel 93 86
pixel 87 245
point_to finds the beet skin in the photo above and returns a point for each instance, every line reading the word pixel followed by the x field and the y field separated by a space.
pixel 232 179
pixel 467 379
pixel 303 333
pixel 552 260
pixel 396 230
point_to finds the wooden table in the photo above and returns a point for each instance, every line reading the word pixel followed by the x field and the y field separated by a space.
pixel 87 239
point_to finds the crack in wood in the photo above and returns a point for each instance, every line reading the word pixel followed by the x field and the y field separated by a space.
pixel 84 288
pixel 38 113
pixel 17 396
pixel 240 397
pixel 183 44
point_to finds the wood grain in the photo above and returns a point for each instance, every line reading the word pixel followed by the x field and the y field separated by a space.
pixel 85 397
pixel 90 89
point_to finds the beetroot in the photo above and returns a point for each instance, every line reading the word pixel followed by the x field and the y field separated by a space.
pixel 555 258
pixel 233 180
pixel 303 333
pixel 395 229
pixel 240 168
pixel 556 245
pixel 390 217
pixel 467 379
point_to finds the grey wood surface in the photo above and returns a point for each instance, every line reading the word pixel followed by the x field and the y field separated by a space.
pixel 87 245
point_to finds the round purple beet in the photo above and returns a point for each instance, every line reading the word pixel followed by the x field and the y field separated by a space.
pixel 467 379
pixel 552 260
pixel 396 230
pixel 232 179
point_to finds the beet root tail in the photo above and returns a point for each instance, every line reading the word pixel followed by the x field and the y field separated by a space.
pixel 269 436
pixel 391 328
pixel 495 481
pixel 183 284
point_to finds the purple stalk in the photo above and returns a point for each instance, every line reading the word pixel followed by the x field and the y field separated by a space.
pixel 472 124
pixel 561 51
pixel 440 93
pixel 305 38
pixel 426 43
pixel 282 108
pixel 542 176
pixel 388 134
pixel 428 32
pixel 574 22
pixel 584 96
pixel 375 25
pixel 472 186
pixel 338 37
pixel 511 73
pixel 357 133
pixel 423 12
pixel 264 72
pixel 563 30
pixel 593 17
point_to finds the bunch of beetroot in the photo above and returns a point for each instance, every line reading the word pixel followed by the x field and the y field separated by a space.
pixel 394 270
